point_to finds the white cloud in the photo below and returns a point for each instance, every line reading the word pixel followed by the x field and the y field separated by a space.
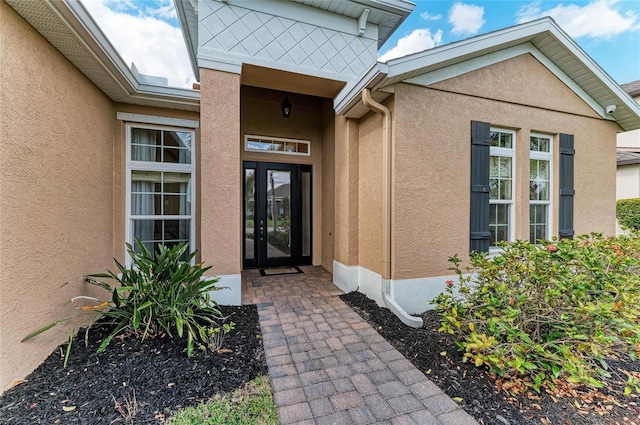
pixel 156 47
pixel 597 19
pixel 467 19
pixel 419 40
pixel 429 17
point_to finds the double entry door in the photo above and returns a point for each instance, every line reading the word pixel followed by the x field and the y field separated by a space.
pixel 277 214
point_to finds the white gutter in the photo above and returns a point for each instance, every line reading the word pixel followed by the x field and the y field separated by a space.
pixel 387 162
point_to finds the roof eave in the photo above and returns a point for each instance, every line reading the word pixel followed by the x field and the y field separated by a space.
pixel 401 67
pixel 89 33
pixel 349 97
pixel 183 10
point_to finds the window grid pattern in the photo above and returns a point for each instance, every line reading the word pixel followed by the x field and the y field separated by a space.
pixel 160 170
pixel 501 187
pixel 540 185
pixel 277 145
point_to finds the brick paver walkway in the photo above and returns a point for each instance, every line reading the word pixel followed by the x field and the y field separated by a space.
pixel 328 366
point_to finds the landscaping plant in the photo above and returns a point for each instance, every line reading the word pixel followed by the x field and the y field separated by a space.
pixel 548 312
pixel 628 213
pixel 161 293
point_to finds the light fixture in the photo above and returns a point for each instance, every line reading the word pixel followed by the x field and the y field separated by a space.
pixel 286 107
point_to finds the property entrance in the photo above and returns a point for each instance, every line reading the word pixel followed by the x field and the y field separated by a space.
pixel 277 214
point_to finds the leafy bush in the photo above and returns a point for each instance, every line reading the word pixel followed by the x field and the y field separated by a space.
pixel 628 213
pixel 280 240
pixel 159 293
pixel 544 313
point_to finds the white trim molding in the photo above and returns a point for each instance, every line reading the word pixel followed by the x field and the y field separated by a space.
pixel 231 290
pixel 158 120
pixel 414 296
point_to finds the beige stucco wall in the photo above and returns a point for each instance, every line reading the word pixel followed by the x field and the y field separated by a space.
pixel 56 191
pixel 309 120
pixel 346 197
pixel 370 193
pixel 328 184
pixel 219 204
pixel 432 157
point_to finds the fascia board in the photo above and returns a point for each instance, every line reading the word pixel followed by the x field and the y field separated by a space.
pixel 97 44
pixel 89 34
pixel 398 7
pixel 523 33
pixel 410 63
pixel 483 61
pixel 349 96
pixel 307 14
pixel 188 39
pixel 605 78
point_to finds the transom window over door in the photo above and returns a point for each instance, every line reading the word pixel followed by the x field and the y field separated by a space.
pixel 160 177
pixel 501 186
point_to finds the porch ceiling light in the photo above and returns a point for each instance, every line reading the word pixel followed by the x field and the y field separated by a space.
pixel 286 107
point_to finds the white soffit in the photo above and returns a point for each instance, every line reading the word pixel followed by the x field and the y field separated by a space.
pixel 542 38
pixel 386 14
pixel 69 27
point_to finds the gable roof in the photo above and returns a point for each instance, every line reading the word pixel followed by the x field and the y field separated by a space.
pixel 543 38
pixel 633 88
pixel 69 27
pixel 386 14
pixel 628 157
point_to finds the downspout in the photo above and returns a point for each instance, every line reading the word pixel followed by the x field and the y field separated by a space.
pixel 387 163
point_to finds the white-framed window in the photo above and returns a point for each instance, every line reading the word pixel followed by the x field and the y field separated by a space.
pixel 277 145
pixel 501 186
pixel 160 202
pixel 540 186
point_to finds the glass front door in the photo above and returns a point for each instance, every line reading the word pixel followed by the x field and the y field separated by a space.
pixel 277 214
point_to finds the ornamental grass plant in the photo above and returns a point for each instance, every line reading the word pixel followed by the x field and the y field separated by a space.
pixel 160 292
pixel 549 312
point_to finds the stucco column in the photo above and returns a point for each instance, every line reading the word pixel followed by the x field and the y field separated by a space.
pixel 346 191
pixel 219 169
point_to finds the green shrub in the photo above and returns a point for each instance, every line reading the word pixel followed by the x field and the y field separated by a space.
pixel 628 213
pixel 543 313
pixel 280 240
pixel 159 293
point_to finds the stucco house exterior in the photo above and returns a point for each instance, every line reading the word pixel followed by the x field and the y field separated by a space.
pixel 628 157
pixel 381 170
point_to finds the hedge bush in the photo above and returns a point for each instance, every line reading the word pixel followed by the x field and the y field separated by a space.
pixel 628 213
pixel 543 313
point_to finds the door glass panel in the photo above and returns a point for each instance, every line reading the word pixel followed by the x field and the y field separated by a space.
pixel 250 212
pixel 278 213
pixel 306 214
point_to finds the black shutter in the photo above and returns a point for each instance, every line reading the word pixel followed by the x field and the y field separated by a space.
pixel 565 209
pixel 480 145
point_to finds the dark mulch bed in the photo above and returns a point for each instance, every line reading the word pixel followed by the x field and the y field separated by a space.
pixel 477 389
pixel 163 377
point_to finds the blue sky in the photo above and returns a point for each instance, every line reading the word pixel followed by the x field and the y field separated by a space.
pixel 607 30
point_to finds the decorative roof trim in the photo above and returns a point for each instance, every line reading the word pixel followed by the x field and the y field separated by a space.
pixel 349 96
pixel 185 9
pixel 158 120
pixel 545 29
pixel 82 26
pixel 500 56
